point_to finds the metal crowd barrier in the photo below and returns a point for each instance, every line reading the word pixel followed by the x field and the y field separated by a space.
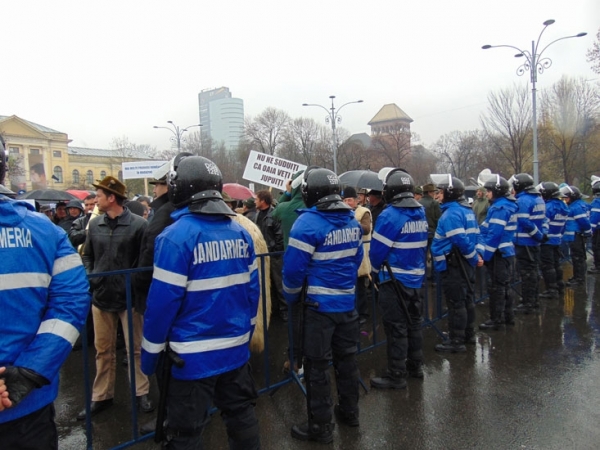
pixel 433 311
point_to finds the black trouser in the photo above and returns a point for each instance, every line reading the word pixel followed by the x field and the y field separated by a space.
pixel 578 257
pixel 189 402
pixel 404 341
pixel 528 267
pixel 35 431
pixel 551 268
pixel 499 272
pixel 362 296
pixel 461 311
pixel 596 248
pixel 330 336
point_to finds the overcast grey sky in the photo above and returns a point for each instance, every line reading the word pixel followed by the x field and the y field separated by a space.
pixel 105 69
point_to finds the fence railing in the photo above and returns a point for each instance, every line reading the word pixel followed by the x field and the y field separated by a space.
pixel 433 311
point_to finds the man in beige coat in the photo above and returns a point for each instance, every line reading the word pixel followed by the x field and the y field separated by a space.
pixel 363 216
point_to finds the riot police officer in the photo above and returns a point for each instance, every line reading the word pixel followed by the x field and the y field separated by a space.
pixel 531 231
pixel 323 255
pixel 455 256
pixel 202 304
pixel 498 252
pixel 556 213
pixel 398 252
pixel 577 230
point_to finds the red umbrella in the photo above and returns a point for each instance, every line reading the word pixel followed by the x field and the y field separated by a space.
pixel 237 191
pixel 80 194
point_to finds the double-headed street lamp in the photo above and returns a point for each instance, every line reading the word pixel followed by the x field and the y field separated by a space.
pixel 333 117
pixel 177 137
pixel 534 64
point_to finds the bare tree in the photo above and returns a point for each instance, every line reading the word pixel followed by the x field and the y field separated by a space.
pixel 300 140
pixel 569 121
pixel 460 152
pixel 266 131
pixel 508 125
pixel 422 163
pixel 393 148
pixel 593 54
pixel 352 155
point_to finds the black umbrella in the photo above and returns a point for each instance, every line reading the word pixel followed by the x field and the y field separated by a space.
pixel 361 179
pixel 48 195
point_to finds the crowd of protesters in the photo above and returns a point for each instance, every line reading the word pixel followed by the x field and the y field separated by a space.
pixel 330 246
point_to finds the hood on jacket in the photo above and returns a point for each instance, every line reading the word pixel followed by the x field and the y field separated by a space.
pixel 12 212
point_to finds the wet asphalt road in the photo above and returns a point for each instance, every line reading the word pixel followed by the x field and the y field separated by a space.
pixel 534 386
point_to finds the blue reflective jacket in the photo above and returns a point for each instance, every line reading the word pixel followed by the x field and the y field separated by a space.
pixel 203 298
pixel 595 213
pixel 556 212
pixel 400 237
pixel 531 219
pixel 498 229
pixel 325 249
pixel 456 228
pixel 44 299
pixel 578 221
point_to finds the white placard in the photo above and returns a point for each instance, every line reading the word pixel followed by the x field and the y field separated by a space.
pixel 140 169
pixel 270 170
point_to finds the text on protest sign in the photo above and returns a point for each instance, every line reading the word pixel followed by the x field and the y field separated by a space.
pixel 270 170
pixel 140 169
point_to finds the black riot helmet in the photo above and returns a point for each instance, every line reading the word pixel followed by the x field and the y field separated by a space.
pixel 453 187
pixel 523 182
pixel 549 190
pixel 498 185
pixel 320 186
pixel 596 186
pixel 198 182
pixel 398 184
pixel 571 192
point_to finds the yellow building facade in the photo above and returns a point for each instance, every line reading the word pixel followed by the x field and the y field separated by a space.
pixel 40 158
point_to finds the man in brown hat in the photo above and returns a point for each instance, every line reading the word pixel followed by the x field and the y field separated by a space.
pixel 113 243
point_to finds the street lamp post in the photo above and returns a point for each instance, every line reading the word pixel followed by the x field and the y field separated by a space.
pixel 534 64
pixel 333 117
pixel 177 137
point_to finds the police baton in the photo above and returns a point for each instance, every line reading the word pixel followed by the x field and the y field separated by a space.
pixel 461 265
pixel 170 358
pixel 398 292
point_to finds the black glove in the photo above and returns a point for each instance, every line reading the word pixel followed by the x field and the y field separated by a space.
pixel 544 238
pixel 20 382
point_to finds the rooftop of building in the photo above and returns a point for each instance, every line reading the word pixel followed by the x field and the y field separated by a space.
pixel 390 113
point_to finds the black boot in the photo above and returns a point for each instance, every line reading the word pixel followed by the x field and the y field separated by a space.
pixel 470 336
pixel 491 325
pixel 415 368
pixel 549 293
pixel 525 308
pixel 392 380
pixel 318 432
pixel 451 346
pixel 350 419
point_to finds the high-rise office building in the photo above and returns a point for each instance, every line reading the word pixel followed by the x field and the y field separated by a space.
pixel 221 116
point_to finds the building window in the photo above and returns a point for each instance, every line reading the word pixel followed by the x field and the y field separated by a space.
pixel 34 151
pixel 58 174
pixel 76 176
pixel 57 153
pixel 89 177
pixel 13 150
pixel 102 174
pixel 120 175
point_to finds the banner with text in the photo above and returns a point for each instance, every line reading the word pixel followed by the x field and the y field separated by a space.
pixel 270 170
pixel 140 169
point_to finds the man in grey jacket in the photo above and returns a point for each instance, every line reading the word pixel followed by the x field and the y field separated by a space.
pixel 113 243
